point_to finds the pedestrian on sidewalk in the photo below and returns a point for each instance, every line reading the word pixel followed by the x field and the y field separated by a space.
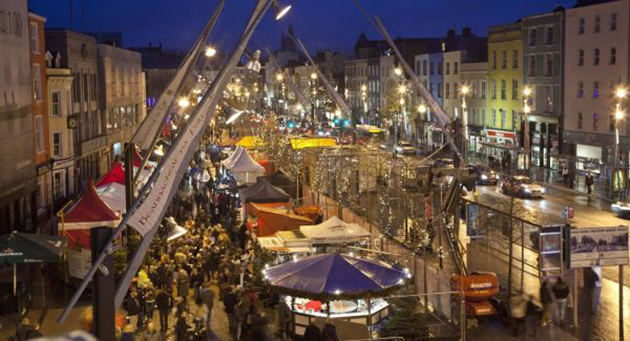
pixel 565 174
pixel 518 312
pixel 151 334
pixel 284 321
pixel 163 301
pixel 132 306
pixel 229 302
pixel 312 332
pixel 534 311
pixel 589 183
pixel 207 296
pixel 593 281
pixel 561 293
pixel 329 331
pixel 547 302
pixel 182 328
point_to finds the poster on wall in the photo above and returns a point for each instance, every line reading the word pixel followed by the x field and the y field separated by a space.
pixel 602 246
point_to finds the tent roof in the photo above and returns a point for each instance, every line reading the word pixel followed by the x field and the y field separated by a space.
pixel 250 142
pixel 334 230
pixel 301 143
pixel 113 195
pixel 271 220
pixel 115 175
pixel 90 208
pixel 333 274
pixel 230 159
pixel 243 162
pixel 278 179
pixel 264 192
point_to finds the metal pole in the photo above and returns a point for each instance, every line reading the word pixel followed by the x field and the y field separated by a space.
pixel 621 302
pixel 617 172
pixel 103 301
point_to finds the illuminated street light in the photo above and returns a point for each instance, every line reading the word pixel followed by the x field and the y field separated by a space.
pixel 398 71
pixel 527 91
pixel 527 109
pixel 621 92
pixel 210 51
pixel 313 76
pixel 402 89
pixel 618 115
pixel 279 77
pixel 363 88
pixel 465 90
pixel 280 11
pixel 183 102
pixel 159 151
pixel 422 108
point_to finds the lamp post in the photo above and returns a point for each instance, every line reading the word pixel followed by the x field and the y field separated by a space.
pixel 402 90
pixel 280 79
pixel 363 99
pixel 527 92
pixel 620 94
pixel 465 90
pixel 314 99
pixel 422 109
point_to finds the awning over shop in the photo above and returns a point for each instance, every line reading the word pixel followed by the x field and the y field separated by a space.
pixel 243 166
pixel 283 182
pixel 115 175
pixel 271 220
pixel 312 143
pixel 263 192
pixel 250 142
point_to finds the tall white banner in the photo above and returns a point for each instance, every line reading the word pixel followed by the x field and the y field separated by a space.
pixel 152 124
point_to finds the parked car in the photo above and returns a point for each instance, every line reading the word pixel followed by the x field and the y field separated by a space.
pixel 485 175
pixel 522 186
pixel 621 209
pixel 405 147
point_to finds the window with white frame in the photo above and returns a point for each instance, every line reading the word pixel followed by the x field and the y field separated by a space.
pixel 598 21
pixel 37 83
pixel 613 22
pixel 34 38
pixel 581 25
pixel 613 56
pixel 482 89
pixel 57 144
pixel 39 133
pixel 55 104
pixel 580 57
pixel 596 57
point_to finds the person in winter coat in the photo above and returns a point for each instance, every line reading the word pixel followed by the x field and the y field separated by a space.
pixel 284 320
pixel 312 332
pixel 589 183
pixel 163 301
pixel 518 312
pixel 593 281
pixel 181 327
pixel 207 296
pixel 561 293
pixel 547 302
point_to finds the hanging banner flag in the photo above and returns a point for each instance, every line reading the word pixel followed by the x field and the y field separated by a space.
pixel 151 125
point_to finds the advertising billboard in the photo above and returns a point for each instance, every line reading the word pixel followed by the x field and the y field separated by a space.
pixel 602 246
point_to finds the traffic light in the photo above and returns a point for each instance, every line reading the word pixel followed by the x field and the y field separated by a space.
pixel 346 123
pixel 336 121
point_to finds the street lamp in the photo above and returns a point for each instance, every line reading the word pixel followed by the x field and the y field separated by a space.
pixel 465 90
pixel 620 94
pixel 210 52
pixel 398 71
pixel 313 76
pixel 280 11
pixel 183 102
pixel 279 77
pixel 527 92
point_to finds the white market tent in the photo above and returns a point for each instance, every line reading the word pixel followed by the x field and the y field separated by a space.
pixel 243 166
pixel 334 230
pixel 113 194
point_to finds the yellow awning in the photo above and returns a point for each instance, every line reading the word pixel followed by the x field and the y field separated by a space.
pixel 312 143
pixel 250 142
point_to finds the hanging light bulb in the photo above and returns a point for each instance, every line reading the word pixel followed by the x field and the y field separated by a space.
pixel 183 102
pixel 210 52
pixel 280 11
pixel 159 151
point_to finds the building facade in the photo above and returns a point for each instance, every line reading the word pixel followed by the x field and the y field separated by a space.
pixel 452 82
pixel 40 115
pixel 59 82
pixel 543 42
pixel 505 83
pixel 79 53
pixel 18 180
pixel 120 95
pixel 355 73
pixel 475 76
pixel 596 47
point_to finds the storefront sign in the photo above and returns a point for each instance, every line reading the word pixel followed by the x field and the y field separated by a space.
pixel 604 246
pixel 500 134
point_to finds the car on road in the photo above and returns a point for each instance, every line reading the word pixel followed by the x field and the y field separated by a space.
pixel 485 175
pixel 405 147
pixel 621 209
pixel 522 186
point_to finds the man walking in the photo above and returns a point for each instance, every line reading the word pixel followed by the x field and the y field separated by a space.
pixel 561 292
pixel 589 183
pixel 163 302
pixel 207 297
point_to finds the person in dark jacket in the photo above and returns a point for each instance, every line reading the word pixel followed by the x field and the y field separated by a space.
pixel 547 302
pixel 312 332
pixel 561 292
pixel 132 306
pixel 163 303
pixel 207 297
pixel 589 183
pixel 329 331
pixel 181 327
pixel 229 302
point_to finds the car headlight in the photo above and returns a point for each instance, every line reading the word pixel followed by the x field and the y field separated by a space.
pixel 527 190
pixel 484 177
pixel 543 190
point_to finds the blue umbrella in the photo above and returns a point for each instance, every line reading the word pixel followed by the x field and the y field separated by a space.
pixel 332 275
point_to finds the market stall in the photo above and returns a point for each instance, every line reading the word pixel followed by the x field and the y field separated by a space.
pixel 270 220
pixel 285 183
pixel 90 211
pixel 243 166
pixel 335 286
pixel 250 142
pixel 333 234
pixel 301 143
pixel 263 192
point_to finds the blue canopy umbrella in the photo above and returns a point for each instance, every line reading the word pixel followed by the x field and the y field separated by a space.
pixel 334 276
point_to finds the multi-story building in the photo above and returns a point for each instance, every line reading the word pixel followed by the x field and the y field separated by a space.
pixel 505 83
pixel 18 177
pixel 40 115
pixel 429 69
pixel 543 40
pixel 475 77
pixel 356 85
pixel 59 82
pixel 596 50
pixel 452 82
pixel 79 53
pixel 120 94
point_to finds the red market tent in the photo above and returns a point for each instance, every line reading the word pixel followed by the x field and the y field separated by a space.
pixel 273 219
pixel 90 211
pixel 115 175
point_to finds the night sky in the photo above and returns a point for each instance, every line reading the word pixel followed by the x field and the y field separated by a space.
pixel 321 24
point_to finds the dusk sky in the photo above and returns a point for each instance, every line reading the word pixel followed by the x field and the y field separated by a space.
pixel 321 24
